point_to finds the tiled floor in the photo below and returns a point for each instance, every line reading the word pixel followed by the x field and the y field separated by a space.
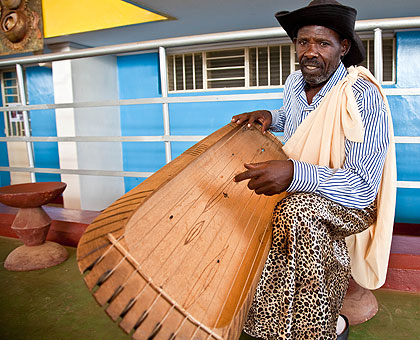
pixel 54 304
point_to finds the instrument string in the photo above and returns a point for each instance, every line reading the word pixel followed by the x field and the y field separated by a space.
pixel 239 267
pixel 210 243
pixel 135 221
pixel 227 242
pixel 137 245
pixel 207 184
pixel 228 265
pixel 141 291
pixel 266 229
pixel 175 269
pixel 249 274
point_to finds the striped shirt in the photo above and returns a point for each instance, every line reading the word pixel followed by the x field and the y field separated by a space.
pixel 356 184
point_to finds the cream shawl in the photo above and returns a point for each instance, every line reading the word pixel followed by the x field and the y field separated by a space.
pixel 320 139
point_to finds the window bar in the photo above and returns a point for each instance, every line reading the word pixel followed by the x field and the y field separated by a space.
pixel 268 67
pixel 378 55
pixel 247 84
pixel 225 68
pixel 292 59
pixel 393 61
pixel 204 57
pixel 193 70
pixel 226 57
pixel 8 124
pixel 281 64
pixel 257 76
pixel 184 78
pixel 29 147
pixel 164 89
pixel 229 78
pixel 5 114
pixel 174 67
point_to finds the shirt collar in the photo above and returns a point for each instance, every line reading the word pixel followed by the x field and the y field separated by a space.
pixel 339 74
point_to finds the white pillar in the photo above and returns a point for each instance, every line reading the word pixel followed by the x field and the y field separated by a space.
pixel 164 89
pixel 379 71
pixel 89 79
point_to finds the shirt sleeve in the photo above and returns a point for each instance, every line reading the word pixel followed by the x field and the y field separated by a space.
pixel 278 118
pixel 356 184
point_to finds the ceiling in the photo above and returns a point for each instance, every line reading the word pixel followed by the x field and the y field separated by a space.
pixel 191 17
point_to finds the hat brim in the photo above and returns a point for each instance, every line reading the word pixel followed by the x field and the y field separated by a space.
pixel 336 17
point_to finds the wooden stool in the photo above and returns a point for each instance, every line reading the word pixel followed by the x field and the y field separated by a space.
pixel 31 224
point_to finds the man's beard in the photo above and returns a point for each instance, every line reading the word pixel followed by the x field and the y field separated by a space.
pixel 318 78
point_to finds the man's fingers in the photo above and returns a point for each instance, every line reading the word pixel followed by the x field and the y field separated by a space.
pixel 243 176
pixel 265 125
pixel 260 116
pixel 240 119
pixel 249 174
pixel 260 165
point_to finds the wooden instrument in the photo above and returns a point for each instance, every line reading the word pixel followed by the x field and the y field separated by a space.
pixel 180 255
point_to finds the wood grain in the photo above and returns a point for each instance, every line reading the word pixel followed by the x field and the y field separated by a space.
pixel 180 255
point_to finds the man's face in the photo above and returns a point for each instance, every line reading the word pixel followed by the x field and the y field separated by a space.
pixel 319 50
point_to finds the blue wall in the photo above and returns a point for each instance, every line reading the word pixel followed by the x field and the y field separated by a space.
pixel 138 77
pixel 41 91
pixel 406 117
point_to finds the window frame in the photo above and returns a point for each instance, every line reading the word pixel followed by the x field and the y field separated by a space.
pixel 246 46
pixel 11 128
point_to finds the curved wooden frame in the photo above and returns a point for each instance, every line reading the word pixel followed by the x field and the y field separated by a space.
pixel 180 255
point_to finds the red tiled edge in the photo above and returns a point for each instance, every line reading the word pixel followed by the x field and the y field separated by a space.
pixel 412 229
pixel 66 228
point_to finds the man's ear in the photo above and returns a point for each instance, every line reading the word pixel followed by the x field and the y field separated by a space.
pixel 345 47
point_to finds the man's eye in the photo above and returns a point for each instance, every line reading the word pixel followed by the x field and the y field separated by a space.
pixel 324 43
pixel 302 42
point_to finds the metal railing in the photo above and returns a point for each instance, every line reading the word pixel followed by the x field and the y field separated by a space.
pixel 377 26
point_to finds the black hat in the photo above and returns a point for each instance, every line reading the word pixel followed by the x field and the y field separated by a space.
pixel 330 14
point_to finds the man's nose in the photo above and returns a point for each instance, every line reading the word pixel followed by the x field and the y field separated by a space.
pixel 311 51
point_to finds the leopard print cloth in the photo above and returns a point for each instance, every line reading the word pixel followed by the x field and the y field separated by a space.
pixel 307 271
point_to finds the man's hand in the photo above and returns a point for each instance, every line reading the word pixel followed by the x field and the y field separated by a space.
pixel 262 116
pixel 267 178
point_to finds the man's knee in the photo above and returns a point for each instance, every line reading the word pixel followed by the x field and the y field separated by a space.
pixel 294 205
pixel 301 213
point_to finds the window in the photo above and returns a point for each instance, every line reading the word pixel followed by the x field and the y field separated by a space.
pixel 231 68
pixel 252 67
pixel 14 124
pixel 388 51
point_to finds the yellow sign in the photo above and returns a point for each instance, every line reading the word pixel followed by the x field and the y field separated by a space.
pixel 63 17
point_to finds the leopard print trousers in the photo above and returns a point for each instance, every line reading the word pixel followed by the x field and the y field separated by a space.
pixel 306 275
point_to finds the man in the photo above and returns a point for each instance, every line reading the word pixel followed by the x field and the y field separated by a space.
pixel 331 196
